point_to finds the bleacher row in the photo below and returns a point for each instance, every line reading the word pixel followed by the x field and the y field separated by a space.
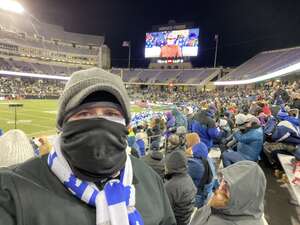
pixel 187 76
pixel 18 66
pixel 12 38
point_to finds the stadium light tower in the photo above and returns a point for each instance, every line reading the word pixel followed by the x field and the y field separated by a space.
pixel 12 6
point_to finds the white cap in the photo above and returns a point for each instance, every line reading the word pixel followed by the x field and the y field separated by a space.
pixel 223 123
pixel 252 119
pixel 190 110
pixel 15 148
pixel 240 119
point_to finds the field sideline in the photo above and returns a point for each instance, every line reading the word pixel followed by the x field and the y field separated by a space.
pixel 35 118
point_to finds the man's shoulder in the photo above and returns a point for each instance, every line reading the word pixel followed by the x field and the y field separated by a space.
pixel 31 169
pixel 139 166
pixel 142 171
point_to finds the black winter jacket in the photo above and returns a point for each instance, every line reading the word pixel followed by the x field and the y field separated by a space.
pixel 155 160
pixel 180 187
pixel 30 194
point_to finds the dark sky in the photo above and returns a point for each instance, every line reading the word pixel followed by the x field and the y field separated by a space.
pixel 245 27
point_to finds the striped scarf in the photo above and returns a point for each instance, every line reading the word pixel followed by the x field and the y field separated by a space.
pixel 115 204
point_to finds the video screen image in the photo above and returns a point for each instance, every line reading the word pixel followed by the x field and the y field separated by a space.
pixel 172 44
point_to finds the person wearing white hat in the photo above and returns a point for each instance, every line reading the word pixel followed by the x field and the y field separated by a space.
pixel 249 138
pixel 15 148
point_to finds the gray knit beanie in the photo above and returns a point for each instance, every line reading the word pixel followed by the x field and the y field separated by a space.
pixel 85 82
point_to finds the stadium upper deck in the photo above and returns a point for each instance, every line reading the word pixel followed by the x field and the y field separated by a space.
pixel 26 37
pixel 265 63
pixel 166 76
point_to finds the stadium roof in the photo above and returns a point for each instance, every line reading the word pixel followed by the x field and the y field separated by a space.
pixel 31 26
pixel 265 65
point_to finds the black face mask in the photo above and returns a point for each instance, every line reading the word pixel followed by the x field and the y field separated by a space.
pixel 94 148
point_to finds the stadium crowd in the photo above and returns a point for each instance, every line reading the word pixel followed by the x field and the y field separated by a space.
pixel 185 185
pixel 16 88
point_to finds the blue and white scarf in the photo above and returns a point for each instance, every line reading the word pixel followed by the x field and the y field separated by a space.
pixel 115 205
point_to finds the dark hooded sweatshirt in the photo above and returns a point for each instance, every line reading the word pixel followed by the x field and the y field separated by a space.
pixel 180 187
pixel 155 160
pixel 247 185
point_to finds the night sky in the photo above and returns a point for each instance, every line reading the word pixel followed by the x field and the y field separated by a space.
pixel 245 27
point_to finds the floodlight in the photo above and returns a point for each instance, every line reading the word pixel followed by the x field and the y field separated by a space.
pixel 12 6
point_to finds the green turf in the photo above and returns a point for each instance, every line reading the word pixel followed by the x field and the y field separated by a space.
pixel 35 118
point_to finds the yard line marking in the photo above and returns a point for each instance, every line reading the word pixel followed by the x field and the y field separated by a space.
pixel 32 124
pixel 43 132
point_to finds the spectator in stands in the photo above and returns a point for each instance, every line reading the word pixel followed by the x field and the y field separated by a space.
pixel 155 159
pixel 88 162
pixel 171 128
pixel 174 144
pixel 239 199
pixel 191 140
pixel 181 132
pixel 204 125
pixel 281 96
pixel 228 118
pixel 296 97
pixel 196 169
pixel 189 118
pixel 45 146
pixel 249 138
pixel 180 187
pixel 208 181
pixel 15 148
pixel 154 134
pixel 180 119
pixel 131 139
pixel 141 140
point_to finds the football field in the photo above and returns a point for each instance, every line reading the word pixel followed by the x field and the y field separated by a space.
pixel 35 118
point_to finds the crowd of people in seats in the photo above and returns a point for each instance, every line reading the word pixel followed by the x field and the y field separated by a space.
pixel 102 170
pixel 28 87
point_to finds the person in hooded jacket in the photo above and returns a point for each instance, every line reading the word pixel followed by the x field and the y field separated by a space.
pixel 174 144
pixel 88 177
pixel 155 159
pixel 171 128
pixel 154 134
pixel 204 125
pixel 202 170
pixel 180 187
pixel 239 200
pixel 249 138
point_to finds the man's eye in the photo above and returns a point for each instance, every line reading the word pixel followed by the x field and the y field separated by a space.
pixel 112 114
pixel 83 114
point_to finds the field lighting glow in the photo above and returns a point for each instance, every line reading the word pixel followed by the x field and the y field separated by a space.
pixel 32 75
pixel 278 73
pixel 12 6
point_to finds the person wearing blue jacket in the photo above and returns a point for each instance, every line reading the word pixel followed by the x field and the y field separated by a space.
pixel 286 132
pixel 249 140
pixel 180 119
pixel 204 125
pixel 202 170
